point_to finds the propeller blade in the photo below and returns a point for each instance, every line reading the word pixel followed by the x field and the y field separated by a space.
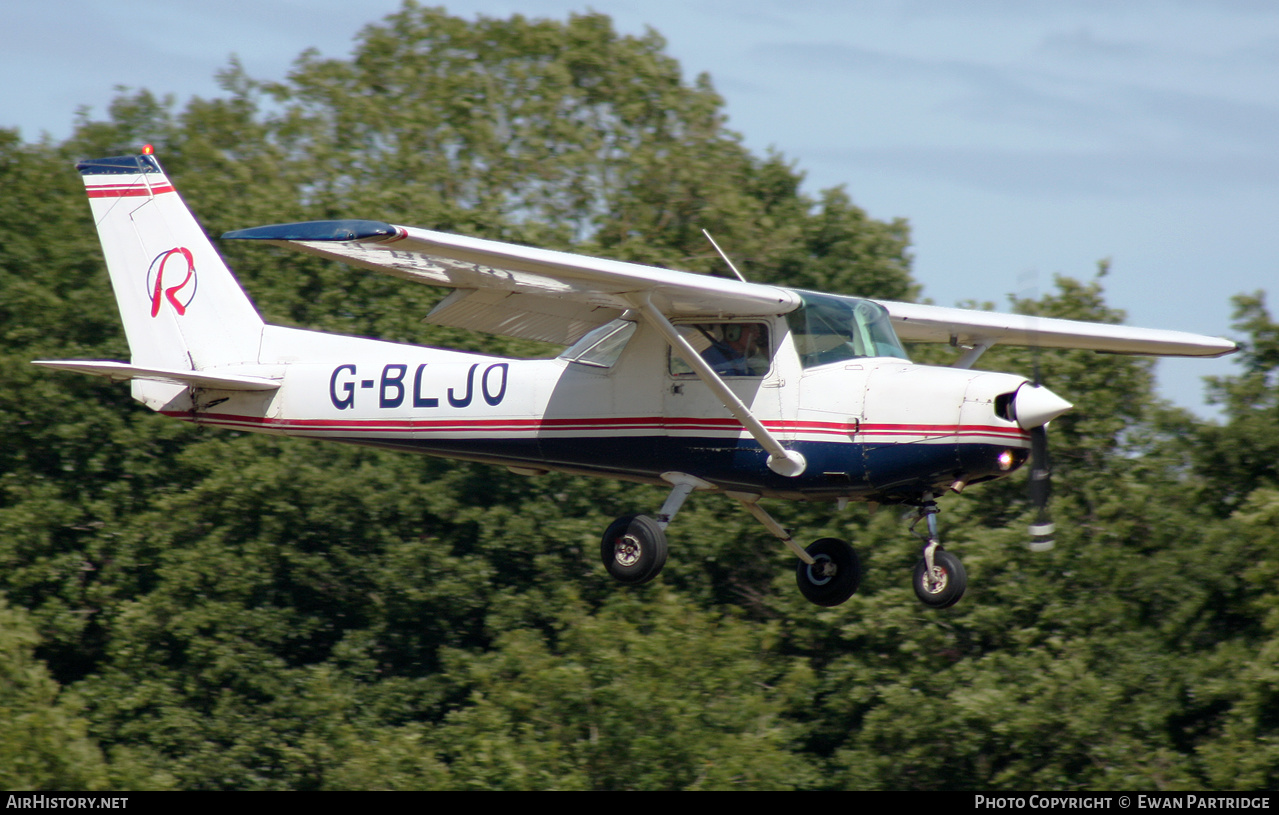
pixel 1033 408
pixel 1043 529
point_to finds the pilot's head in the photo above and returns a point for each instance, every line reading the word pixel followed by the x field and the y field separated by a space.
pixel 741 335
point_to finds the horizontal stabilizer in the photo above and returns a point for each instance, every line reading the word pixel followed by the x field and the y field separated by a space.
pixel 121 371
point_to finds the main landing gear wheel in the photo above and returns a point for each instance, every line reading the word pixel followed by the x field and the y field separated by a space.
pixel 947 583
pixel 835 575
pixel 634 549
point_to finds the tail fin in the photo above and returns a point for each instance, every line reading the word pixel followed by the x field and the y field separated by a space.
pixel 182 308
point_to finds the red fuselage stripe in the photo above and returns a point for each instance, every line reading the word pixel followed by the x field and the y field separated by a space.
pixel 598 424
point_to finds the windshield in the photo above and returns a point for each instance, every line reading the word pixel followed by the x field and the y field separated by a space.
pixel 828 328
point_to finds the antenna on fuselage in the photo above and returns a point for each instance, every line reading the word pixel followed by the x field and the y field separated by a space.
pixel 724 256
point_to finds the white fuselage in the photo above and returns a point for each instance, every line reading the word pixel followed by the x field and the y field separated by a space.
pixel 870 428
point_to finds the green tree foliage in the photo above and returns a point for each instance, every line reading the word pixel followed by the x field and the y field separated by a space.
pixel 247 612
pixel 1243 454
pixel 44 745
pixel 589 703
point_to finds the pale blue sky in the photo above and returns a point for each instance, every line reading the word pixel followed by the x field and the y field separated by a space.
pixel 1020 139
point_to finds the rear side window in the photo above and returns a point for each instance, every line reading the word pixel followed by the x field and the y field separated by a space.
pixel 601 347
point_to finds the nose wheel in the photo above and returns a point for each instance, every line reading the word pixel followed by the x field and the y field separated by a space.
pixel 943 584
pixel 939 579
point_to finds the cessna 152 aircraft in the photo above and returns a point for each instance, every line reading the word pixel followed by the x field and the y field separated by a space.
pixel 695 382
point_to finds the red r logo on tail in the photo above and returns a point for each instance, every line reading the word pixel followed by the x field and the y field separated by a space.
pixel 181 295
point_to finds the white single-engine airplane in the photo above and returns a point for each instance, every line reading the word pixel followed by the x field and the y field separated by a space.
pixel 695 382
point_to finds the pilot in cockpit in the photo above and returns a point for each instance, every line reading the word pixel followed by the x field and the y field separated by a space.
pixel 740 350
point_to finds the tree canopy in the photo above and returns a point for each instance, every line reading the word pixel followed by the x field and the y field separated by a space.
pixel 213 610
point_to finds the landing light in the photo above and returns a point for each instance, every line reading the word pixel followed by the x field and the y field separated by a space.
pixel 1006 460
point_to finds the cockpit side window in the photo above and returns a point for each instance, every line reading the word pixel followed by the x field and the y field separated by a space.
pixel 601 347
pixel 731 349
pixel 828 328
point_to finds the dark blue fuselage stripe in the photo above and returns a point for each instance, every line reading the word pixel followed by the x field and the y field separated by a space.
pixel 834 469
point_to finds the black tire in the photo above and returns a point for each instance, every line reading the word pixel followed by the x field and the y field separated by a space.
pixel 950 580
pixel 633 549
pixel 825 589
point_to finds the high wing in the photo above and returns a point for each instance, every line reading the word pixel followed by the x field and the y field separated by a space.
pixel 982 329
pixel 521 291
pixel 557 297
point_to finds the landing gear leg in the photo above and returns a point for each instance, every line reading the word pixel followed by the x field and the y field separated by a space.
pixel 828 572
pixel 939 579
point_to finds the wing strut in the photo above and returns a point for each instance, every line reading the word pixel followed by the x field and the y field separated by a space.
pixel 780 460
pixel 974 353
